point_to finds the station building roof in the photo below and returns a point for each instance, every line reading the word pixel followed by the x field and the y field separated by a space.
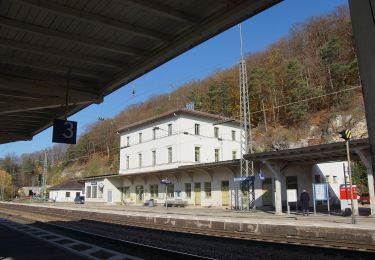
pixel 176 112
pixel 310 155
pixel 68 185
pixel 313 154
pixel 101 44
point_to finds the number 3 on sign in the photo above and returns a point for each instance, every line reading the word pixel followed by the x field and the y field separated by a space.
pixel 64 131
pixel 69 129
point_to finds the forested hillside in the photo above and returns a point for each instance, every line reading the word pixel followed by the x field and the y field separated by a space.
pixel 302 89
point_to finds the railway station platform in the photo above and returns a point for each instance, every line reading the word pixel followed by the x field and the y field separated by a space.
pixel 321 226
pixel 18 245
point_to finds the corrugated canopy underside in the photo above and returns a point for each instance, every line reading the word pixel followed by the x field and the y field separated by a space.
pixel 103 43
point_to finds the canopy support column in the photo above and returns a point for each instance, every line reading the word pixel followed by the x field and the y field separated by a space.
pixel 275 169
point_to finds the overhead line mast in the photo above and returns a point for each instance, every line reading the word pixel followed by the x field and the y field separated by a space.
pixel 247 167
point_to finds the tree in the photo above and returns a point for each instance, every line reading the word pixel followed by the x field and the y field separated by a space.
pixel 297 91
pixel 359 176
pixel 5 185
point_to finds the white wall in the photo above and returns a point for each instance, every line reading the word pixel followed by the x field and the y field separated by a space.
pixel 183 142
pixel 60 195
pixel 102 193
pixel 328 172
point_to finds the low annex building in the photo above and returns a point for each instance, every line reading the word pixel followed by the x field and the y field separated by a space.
pixel 199 154
pixel 67 191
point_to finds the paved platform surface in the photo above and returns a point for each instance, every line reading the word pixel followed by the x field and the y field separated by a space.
pixel 321 226
pixel 19 246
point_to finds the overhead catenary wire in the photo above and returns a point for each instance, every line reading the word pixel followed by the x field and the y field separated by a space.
pixel 206 124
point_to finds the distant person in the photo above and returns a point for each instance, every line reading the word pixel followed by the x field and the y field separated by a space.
pixel 305 199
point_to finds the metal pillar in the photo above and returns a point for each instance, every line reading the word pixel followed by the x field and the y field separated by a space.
pixel 350 182
pixel 363 21
pixel 247 168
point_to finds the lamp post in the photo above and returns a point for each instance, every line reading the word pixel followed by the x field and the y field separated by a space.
pixel 347 135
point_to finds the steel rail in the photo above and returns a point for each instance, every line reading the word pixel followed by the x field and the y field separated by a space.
pixel 298 241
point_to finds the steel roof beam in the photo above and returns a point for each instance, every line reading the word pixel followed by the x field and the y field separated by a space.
pixel 33 87
pixel 164 11
pixel 8 94
pixel 51 67
pixel 83 40
pixel 15 137
pixel 49 79
pixel 58 53
pixel 96 19
pixel 7 120
pixel 15 107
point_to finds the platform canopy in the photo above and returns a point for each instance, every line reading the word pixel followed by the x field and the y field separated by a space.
pixel 314 154
pixel 103 43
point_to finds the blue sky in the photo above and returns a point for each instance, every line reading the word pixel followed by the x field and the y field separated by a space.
pixel 219 52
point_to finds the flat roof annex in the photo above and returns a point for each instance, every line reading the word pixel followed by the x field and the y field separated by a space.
pixel 101 44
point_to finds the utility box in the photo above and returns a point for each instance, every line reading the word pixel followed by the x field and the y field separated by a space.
pixel 345 201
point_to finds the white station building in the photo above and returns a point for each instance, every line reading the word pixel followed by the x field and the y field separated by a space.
pixel 67 191
pixel 199 153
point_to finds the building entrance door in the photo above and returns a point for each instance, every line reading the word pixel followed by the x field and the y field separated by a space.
pixel 109 196
pixel 139 193
pixel 225 193
pixel 267 192
pixel 197 191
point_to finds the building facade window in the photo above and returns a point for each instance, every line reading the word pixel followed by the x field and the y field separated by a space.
pixel 153 158
pixel 197 129
pixel 233 135
pixel 169 129
pixel 100 193
pixel 334 179
pixel 170 190
pixel 154 133
pixel 328 179
pixel 188 190
pixel 126 192
pixel 234 155
pixel 127 162
pixel 140 137
pixel 317 179
pixel 216 132
pixel 169 154
pixel 128 141
pixel 67 194
pixel 217 151
pixel 139 160
pixel 88 192
pixel 197 155
pixel 207 189
pixel 154 190
pixel 94 191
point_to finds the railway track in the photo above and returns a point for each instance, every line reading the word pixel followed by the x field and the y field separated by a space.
pixel 91 245
pixel 296 241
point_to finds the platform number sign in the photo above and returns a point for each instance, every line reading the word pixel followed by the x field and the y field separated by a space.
pixel 64 131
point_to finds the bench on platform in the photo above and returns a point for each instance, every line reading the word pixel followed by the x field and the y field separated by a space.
pixel 176 203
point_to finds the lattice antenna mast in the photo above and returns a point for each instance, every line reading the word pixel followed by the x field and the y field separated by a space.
pixel 246 145
pixel 246 140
